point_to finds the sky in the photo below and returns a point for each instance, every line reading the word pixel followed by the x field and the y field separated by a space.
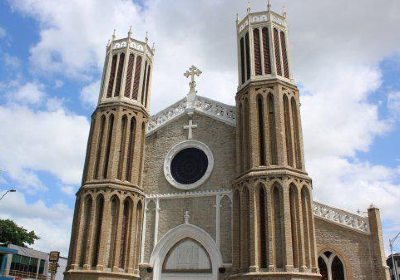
pixel 346 63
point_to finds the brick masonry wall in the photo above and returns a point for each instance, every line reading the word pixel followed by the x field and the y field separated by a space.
pixel 220 138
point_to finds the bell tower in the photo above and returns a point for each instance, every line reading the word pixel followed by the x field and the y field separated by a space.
pixel 273 224
pixel 108 218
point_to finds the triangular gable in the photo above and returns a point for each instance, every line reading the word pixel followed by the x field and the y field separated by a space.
pixel 202 105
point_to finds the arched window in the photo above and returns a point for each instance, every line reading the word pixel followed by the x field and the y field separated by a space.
pixel 99 146
pixel 246 134
pixel 138 238
pixel 236 229
pixel 125 232
pixel 331 267
pixel 143 134
pixel 257 52
pixel 119 74
pixel 147 86
pixel 299 164
pixel 288 131
pixel 113 231
pixel 263 222
pixel 248 70
pixel 108 147
pixel 128 84
pixel 278 224
pixel 277 52
pixel 240 142
pixel 246 229
pixel 88 151
pixel 86 226
pixel 272 129
pixel 131 146
pixel 284 55
pixel 305 205
pixel 122 146
pixel 242 67
pixel 295 223
pixel 267 52
pixel 137 78
pixel 261 136
pixel 144 83
pixel 97 229
pixel 112 75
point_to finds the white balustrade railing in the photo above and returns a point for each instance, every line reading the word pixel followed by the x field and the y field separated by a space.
pixel 341 217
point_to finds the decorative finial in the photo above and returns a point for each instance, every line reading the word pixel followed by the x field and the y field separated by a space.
pixel 284 12
pixel 108 43
pixel 147 37
pixel 237 18
pixel 248 7
pixel 153 49
pixel 192 72
pixel 130 32
pixel 269 5
pixel 113 36
pixel 187 217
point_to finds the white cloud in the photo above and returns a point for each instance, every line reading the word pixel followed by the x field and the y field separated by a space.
pixel 11 61
pixel 52 141
pixel 90 94
pixel 394 103
pixel 58 84
pixel 69 190
pixel 29 93
pixel 51 223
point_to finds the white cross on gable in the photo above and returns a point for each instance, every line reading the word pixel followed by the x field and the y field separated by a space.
pixel 192 73
pixel 190 127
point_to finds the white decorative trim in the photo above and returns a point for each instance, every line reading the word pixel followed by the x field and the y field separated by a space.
pixel 222 192
pixel 177 234
pixel 206 106
pixel 179 147
pixel 341 217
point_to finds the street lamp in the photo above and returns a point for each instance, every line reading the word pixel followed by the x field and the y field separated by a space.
pixel 391 241
pixel 12 190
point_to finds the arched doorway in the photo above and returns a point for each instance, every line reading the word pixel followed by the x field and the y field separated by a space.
pixel 186 246
pixel 331 266
pixel 187 260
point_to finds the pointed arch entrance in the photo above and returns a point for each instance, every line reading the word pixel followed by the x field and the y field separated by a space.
pixel 192 239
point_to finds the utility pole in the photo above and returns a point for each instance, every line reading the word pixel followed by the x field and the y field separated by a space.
pixel 391 241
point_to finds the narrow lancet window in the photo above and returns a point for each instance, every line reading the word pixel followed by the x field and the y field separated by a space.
pixel 147 86
pixel 122 147
pixel 138 67
pixel 257 51
pixel 261 137
pixel 112 75
pixel 284 55
pixel 131 146
pixel 277 53
pixel 125 231
pixel 267 52
pixel 142 151
pixel 296 127
pixel 242 65
pixel 295 223
pixel 97 230
pixel 305 204
pixel 108 147
pixel 288 132
pixel 128 84
pixel 236 229
pixel 248 70
pixel 144 83
pixel 86 227
pixel 272 129
pixel 119 74
pixel 113 231
pixel 278 222
pixel 99 147
pixel 241 143
pixel 263 229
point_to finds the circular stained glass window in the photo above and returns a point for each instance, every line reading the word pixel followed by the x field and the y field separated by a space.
pixel 189 165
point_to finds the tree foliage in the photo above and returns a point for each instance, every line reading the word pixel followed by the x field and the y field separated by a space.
pixel 11 232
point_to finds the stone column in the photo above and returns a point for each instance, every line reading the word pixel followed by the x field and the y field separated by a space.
pixel 287 227
pixel 254 246
pixel 118 237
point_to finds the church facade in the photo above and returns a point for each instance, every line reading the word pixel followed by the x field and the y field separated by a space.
pixel 204 190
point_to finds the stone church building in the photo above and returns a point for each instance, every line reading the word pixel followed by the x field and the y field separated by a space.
pixel 204 190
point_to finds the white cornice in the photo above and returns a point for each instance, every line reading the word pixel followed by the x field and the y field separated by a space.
pixel 211 108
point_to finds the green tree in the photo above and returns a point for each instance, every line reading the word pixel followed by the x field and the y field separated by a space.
pixel 11 232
